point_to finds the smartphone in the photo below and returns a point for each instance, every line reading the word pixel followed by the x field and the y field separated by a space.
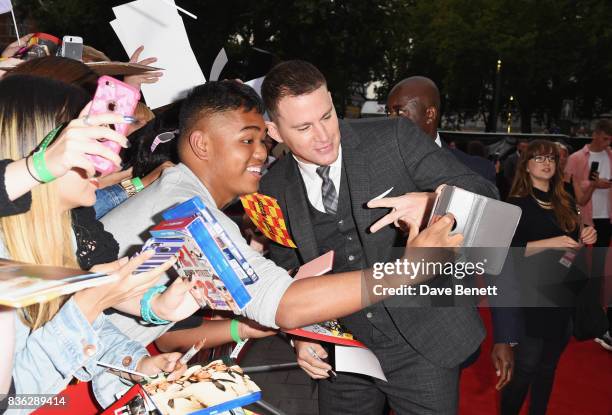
pixel 115 96
pixel 72 47
pixel 594 168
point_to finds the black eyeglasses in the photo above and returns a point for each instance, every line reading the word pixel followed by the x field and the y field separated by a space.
pixel 541 159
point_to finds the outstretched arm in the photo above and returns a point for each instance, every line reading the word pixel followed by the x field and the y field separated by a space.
pixel 313 300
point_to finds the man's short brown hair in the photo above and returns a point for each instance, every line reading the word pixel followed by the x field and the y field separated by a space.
pixel 290 78
pixel 605 126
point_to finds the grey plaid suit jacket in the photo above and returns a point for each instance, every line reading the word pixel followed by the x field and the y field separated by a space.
pixel 379 154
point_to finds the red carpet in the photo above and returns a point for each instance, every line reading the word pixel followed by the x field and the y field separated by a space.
pixel 583 383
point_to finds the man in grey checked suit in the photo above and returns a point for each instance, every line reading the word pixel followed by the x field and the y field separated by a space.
pixel 334 169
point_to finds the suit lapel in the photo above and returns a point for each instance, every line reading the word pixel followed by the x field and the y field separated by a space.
pixel 298 214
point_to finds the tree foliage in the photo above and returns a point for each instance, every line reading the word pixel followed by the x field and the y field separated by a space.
pixel 551 50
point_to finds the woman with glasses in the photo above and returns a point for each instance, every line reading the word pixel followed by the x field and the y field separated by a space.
pixel 551 233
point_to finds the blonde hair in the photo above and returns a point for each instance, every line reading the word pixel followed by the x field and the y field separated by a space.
pixel 43 235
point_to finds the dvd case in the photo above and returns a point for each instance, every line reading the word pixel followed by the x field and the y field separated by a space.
pixel 201 261
pixel 214 389
pixel 195 207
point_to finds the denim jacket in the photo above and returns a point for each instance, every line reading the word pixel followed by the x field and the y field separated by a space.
pixel 46 359
pixel 108 198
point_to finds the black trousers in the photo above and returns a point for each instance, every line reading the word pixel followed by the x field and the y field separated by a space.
pixel 535 363
pixel 415 385
pixel 604 233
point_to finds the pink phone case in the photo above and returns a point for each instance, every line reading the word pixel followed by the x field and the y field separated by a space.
pixel 115 96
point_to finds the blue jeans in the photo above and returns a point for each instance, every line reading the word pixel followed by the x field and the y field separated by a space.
pixel 108 198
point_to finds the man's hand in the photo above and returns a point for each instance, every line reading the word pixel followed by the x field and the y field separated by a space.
pixel 411 207
pixel 315 368
pixel 503 361
pixel 436 235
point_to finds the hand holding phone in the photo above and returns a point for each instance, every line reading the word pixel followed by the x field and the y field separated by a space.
pixel 594 172
pixel 117 97
pixel 72 47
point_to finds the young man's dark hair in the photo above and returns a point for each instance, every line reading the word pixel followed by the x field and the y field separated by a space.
pixel 604 126
pixel 290 78
pixel 213 97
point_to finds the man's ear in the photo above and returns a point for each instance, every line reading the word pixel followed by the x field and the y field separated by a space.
pixel 273 131
pixel 199 142
pixel 431 115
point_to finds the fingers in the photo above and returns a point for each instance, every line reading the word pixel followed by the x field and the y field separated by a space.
pixel 497 365
pixel 179 287
pixel 177 372
pixel 444 224
pixel 384 221
pixel 413 230
pixel 109 267
pixel 85 110
pixel 149 80
pixel 25 38
pixel 384 202
pixel 136 54
pixel 307 353
pixel 147 61
pixel 169 361
pixel 455 240
pixel 313 371
pixel 101 119
pixel 96 148
pixel 135 262
pixel 506 375
pixel 105 133
pixel 22 40
pixel 150 277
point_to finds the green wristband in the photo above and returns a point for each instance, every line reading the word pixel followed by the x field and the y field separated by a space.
pixel 137 184
pixel 38 159
pixel 234 331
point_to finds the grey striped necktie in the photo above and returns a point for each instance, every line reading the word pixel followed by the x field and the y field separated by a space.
pixel 330 196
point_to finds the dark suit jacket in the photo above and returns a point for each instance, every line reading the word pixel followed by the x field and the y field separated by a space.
pixel 510 167
pixel 480 165
pixel 506 320
pixel 377 155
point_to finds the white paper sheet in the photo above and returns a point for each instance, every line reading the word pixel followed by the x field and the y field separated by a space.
pixel 158 27
pixel 218 65
pixel 256 84
pixel 358 360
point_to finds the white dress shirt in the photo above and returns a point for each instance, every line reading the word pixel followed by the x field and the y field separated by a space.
pixel 313 181
pixel 438 140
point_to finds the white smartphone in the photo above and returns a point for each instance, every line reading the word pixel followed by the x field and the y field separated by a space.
pixel 72 47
